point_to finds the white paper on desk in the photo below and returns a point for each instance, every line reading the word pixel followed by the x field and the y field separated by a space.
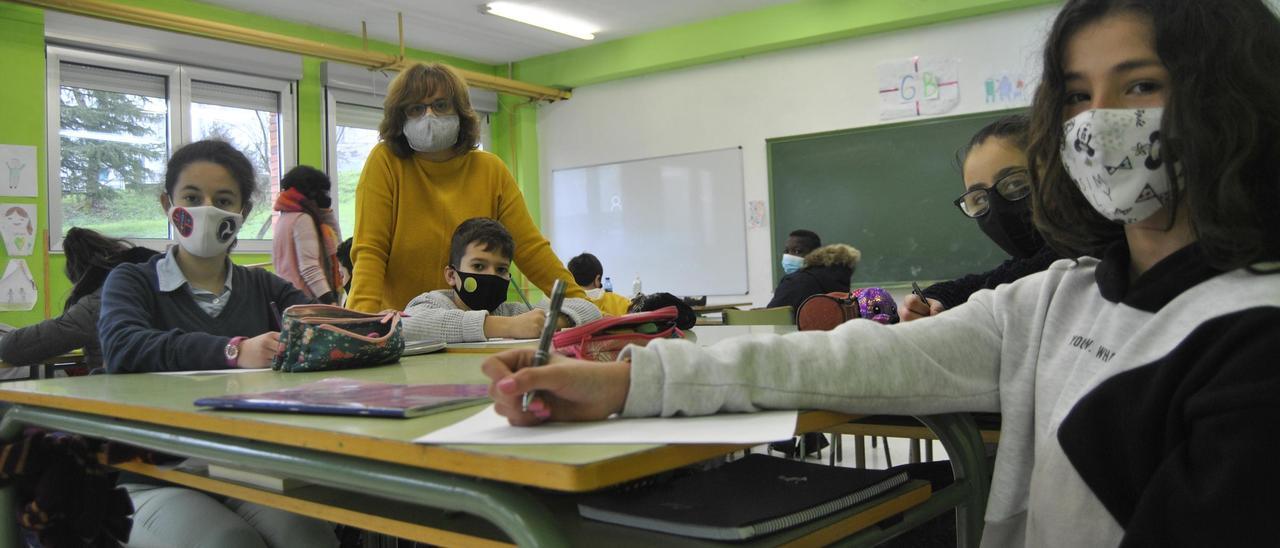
pixel 493 342
pixel 487 427
pixel 211 371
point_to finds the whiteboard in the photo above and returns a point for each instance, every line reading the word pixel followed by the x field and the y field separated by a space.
pixel 677 221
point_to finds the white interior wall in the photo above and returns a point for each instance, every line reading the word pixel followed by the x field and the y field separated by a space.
pixel 745 101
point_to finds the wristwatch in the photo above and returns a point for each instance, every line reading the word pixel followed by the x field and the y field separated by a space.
pixel 232 352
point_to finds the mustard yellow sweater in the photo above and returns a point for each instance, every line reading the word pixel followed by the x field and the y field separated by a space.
pixel 407 210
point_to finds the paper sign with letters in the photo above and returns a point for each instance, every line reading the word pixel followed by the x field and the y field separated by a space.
pixel 919 86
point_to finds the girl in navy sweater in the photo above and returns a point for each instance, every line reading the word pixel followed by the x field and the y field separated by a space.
pixel 192 309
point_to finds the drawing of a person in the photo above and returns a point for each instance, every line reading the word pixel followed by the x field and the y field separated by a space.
pixel 1006 89
pixel 19 229
pixel 991 90
pixel 15 172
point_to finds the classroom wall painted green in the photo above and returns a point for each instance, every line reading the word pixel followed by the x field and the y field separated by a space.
pixel 773 28
pixel 22 58
pixel 22 102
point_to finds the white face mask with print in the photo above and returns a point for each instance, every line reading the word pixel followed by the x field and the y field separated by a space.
pixel 205 231
pixel 1113 155
pixel 431 133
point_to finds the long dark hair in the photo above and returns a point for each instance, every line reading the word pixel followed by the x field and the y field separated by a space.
pixel 1222 119
pixel 91 256
pixel 314 186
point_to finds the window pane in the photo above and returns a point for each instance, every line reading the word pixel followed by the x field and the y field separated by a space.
pixel 257 134
pixel 352 147
pixel 114 144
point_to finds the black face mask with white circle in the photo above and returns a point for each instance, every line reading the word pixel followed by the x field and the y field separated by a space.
pixel 481 291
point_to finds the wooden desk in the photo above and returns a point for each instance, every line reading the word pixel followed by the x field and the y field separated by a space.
pixel 375 458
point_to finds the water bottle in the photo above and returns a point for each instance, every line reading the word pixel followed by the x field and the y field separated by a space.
pixel 608 285
pixel 635 286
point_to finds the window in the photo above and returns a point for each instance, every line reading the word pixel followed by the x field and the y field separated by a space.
pixel 114 121
pixel 355 133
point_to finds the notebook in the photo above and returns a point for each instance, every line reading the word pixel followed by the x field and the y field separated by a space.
pixel 414 348
pixel 342 396
pixel 754 496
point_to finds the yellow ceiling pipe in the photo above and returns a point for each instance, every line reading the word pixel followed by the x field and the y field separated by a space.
pixel 103 9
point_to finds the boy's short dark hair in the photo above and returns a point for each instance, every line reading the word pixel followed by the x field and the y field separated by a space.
pixel 809 237
pixel 585 268
pixel 488 232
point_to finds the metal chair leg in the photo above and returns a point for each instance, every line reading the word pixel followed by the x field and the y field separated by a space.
pixel 888 460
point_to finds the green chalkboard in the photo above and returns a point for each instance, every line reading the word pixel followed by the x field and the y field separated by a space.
pixel 886 190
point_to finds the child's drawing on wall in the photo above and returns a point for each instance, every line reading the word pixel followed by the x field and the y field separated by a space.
pixel 18 228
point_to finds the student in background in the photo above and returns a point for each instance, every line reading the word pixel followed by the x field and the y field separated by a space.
pixel 588 272
pixel 476 309
pixel 90 257
pixel 1136 381
pixel 305 247
pixel 826 269
pixel 192 309
pixel 997 195
pixel 799 243
pixel 420 182
pixel 344 259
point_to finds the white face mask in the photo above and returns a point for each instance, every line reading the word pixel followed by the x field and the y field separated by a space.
pixel 431 133
pixel 1113 155
pixel 595 294
pixel 205 231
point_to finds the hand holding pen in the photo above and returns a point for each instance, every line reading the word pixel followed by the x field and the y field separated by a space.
pixel 543 355
pixel 918 306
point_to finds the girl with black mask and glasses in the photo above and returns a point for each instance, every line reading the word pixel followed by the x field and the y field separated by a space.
pixel 997 187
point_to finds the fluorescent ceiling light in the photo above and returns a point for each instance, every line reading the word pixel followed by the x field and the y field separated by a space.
pixel 543 19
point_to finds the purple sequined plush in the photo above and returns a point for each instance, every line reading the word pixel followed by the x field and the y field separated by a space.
pixel 876 304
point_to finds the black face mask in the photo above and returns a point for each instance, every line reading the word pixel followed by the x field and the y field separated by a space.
pixel 481 291
pixel 1008 224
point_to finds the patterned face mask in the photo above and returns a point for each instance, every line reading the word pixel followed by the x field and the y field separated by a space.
pixel 205 231
pixel 1113 155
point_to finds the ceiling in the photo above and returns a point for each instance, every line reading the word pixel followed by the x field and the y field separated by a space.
pixel 457 28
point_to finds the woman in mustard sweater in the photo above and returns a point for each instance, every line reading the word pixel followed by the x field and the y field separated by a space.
pixel 422 180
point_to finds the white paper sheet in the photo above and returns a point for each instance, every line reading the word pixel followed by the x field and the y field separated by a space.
pixel 18 227
pixel 487 427
pixel 17 287
pixel 17 170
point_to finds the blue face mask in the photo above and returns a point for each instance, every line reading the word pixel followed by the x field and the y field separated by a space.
pixel 791 263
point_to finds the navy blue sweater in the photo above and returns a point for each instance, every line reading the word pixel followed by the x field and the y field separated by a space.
pixel 143 329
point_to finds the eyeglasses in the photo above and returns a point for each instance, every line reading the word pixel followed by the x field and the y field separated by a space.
pixel 1012 187
pixel 439 106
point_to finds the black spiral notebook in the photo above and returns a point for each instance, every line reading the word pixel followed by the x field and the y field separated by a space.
pixel 754 496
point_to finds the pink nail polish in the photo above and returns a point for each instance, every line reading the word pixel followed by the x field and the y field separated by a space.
pixel 507 385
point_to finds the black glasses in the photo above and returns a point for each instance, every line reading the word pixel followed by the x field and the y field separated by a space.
pixel 1012 187
pixel 439 106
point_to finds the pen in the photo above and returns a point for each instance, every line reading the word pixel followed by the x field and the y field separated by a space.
pixel 915 288
pixel 275 317
pixel 522 297
pixel 543 355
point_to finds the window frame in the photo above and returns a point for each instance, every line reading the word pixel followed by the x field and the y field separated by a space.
pixel 333 96
pixel 178 80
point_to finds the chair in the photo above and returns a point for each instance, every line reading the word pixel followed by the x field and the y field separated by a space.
pixel 781 315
